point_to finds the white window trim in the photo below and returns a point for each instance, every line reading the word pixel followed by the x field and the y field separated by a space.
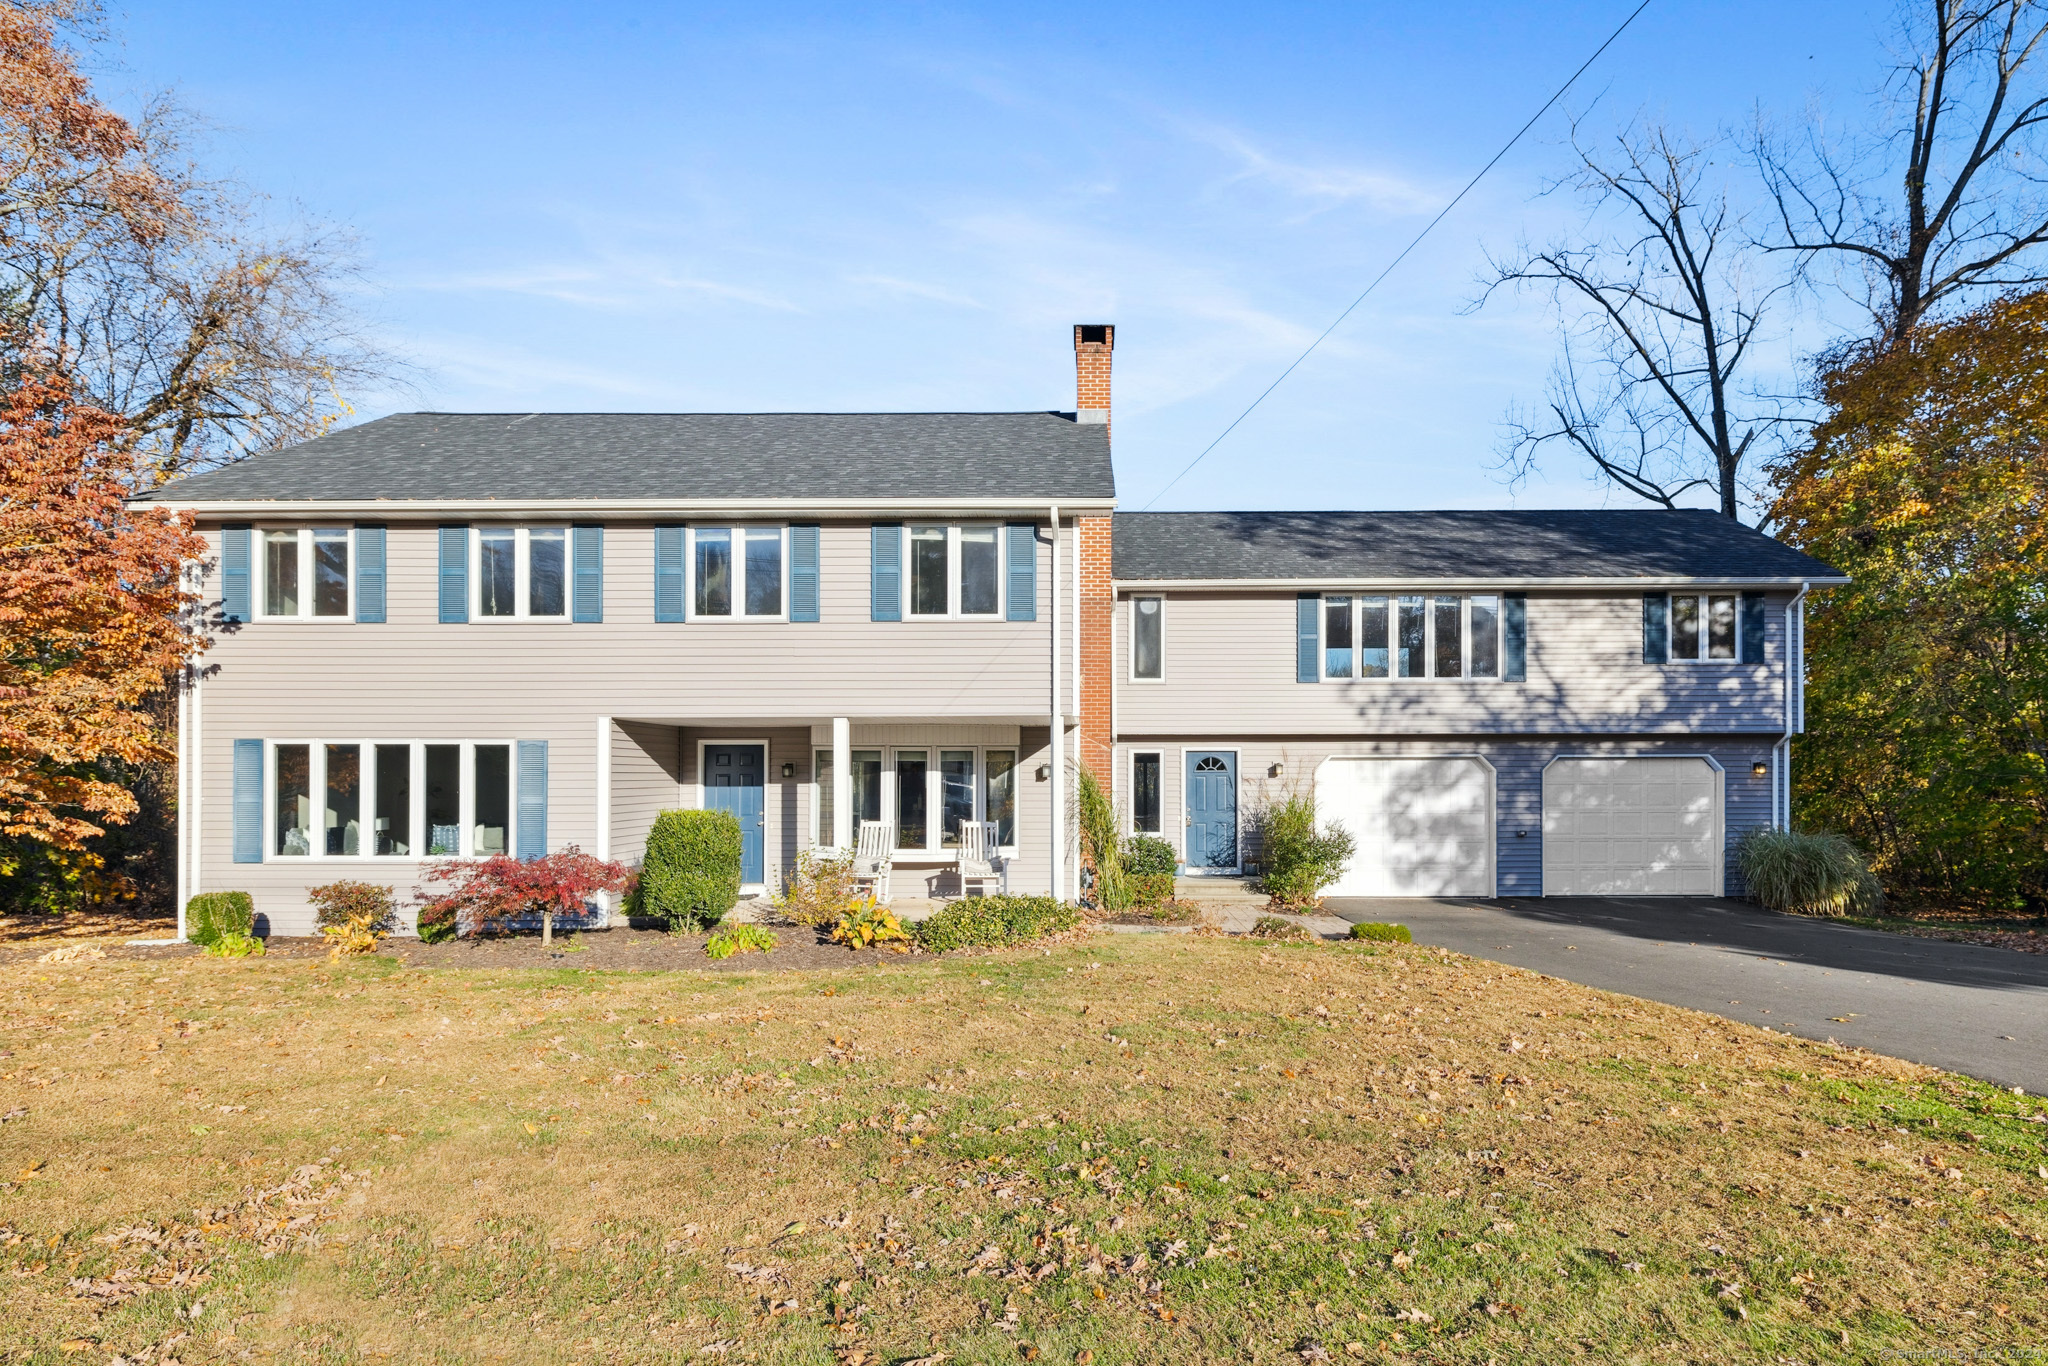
pixel 522 572
pixel 416 815
pixel 934 790
pixel 1464 597
pixel 739 615
pixel 1132 664
pixel 1131 758
pixel 1671 655
pixel 259 573
pixel 953 611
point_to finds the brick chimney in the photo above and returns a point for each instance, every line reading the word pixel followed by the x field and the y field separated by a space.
pixel 1093 343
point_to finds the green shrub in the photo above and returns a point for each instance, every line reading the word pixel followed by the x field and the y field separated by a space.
pixel 993 921
pixel 1385 934
pixel 1149 890
pixel 438 922
pixel 210 915
pixel 366 903
pixel 1807 874
pixel 1149 856
pixel 1300 858
pixel 691 874
pixel 739 939
pixel 1273 927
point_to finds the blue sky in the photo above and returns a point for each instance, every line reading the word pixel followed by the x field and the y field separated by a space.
pixel 882 207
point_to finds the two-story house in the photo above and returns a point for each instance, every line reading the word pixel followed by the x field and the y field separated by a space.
pixel 456 635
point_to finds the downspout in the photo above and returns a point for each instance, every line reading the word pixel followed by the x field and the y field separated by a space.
pixel 1058 834
pixel 1795 685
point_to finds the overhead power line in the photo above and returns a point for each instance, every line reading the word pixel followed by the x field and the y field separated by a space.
pixel 1506 147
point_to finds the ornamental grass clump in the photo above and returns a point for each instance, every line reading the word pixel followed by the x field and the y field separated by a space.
pixel 990 922
pixel 1300 858
pixel 210 915
pixel 1807 874
pixel 1101 851
pixel 690 876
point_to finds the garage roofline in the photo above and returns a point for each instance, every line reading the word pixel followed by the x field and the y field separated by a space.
pixel 1355 582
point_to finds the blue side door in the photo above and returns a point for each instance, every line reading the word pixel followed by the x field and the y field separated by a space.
pixel 732 782
pixel 1212 809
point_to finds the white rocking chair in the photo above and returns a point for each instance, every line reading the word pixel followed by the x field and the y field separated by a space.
pixel 981 858
pixel 873 850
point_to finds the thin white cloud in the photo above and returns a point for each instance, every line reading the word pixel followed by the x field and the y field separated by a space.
pixel 1327 184
pixel 937 294
pixel 619 285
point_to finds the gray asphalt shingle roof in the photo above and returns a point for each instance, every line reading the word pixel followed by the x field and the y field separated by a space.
pixel 436 457
pixel 1419 546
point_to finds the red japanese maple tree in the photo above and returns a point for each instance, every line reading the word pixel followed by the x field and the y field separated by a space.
pixel 483 895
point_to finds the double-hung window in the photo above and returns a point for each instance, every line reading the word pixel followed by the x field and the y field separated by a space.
pixel 520 572
pixel 739 573
pixel 1410 635
pixel 926 793
pixel 953 571
pixel 377 799
pixel 305 573
pixel 1703 627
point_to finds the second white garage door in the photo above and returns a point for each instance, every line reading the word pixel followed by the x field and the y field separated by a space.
pixel 1631 827
pixel 1424 826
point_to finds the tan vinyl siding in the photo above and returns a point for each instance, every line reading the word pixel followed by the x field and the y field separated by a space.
pixel 647 776
pixel 1230 668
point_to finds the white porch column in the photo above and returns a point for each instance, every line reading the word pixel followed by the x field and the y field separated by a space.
pixel 1058 833
pixel 604 807
pixel 842 783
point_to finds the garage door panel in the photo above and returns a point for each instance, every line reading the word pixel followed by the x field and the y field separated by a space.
pixel 1618 827
pixel 1424 827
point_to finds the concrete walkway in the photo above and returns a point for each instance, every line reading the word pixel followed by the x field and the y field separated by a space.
pixel 1963 1007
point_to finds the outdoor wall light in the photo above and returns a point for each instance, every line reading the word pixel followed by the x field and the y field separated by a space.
pixel 1044 772
pixel 1276 770
pixel 1759 769
pixel 789 770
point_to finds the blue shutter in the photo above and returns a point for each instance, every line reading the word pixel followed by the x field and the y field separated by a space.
pixel 248 804
pixel 803 573
pixel 668 573
pixel 1308 607
pixel 370 573
pixel 1656 628
pixel 1752 627
pixel 1515 637
pixel 234 573
pixel 454 573
pixel 588 552
pixel 532 834
pixel 886 572
pixel 1023 567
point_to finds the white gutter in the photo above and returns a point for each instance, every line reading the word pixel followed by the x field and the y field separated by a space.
pixel 1364 584
pixel 486 508
pixel 1795 687
pixel 1058 763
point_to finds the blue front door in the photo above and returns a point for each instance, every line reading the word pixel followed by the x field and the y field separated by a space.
pixel 1212 809
pixel 732 782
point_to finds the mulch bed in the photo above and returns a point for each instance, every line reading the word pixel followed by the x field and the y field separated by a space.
pixel 796 948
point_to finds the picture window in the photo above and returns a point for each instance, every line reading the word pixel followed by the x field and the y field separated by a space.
pixel 1413 635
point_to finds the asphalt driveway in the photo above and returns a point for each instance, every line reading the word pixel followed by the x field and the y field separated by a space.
pixel 1963 1007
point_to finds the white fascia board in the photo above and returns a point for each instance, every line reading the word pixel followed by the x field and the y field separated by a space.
pixel 1367 585
pixel 511 509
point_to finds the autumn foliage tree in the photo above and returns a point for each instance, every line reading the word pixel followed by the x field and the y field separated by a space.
pixel 1928 675
pixel 96 616
pixel 485 896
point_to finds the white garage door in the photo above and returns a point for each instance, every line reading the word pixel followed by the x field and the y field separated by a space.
pixel 1424 826
pixel 1631 827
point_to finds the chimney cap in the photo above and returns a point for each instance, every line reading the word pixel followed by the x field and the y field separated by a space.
pixel 1096 334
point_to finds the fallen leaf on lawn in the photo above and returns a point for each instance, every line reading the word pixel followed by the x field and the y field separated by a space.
pixel 76 1345
pixel 718 1348
pixel 935 1359
pixel 794 1227
pixel 1401 1261
pixel 533 1128
pixel 1413 1316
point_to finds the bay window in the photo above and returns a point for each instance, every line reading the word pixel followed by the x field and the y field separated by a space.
pixel 1412 635
pixel 738 572
pixel 305 573
pixel 521 572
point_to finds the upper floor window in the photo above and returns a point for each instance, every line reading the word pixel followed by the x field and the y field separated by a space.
pixel 1703 626
pixel 954 571
pixel 305 573
pixel 1148 639
pixel 1411 635
pixel 739 572
pixel 521 572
